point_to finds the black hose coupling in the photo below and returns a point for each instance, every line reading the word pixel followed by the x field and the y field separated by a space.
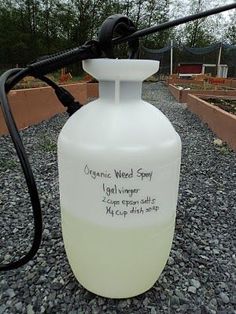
pixel 67 100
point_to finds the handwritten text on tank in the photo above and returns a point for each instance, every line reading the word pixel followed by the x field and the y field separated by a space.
pixel 119 174
pixel 122 201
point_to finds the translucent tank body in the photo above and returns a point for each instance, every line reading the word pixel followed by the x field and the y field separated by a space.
pixel 119 161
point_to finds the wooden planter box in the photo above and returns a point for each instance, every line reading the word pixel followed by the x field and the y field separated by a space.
pixel 184 81
pixel 230 82
pixel 92 90
pixel 222 123
pixel 181 95
pixel 33 105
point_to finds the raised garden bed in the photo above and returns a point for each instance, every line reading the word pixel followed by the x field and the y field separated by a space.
pixel 180 92
pixel 32 82
pixel 212 111
pixel 33 105
pixel 231 82
pixel 204 87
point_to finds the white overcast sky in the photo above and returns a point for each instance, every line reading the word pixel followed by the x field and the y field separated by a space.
pixel 182 7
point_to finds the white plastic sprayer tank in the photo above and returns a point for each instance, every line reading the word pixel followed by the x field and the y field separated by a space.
pixel 119 160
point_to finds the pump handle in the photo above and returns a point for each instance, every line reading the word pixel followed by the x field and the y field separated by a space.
pixel 121 25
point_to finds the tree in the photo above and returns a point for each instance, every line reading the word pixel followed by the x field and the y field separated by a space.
pixel 197 33
pixel 31 28
pixel 156 12
pixel 231 31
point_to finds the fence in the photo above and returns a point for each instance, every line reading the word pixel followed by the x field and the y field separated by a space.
pixel 172 55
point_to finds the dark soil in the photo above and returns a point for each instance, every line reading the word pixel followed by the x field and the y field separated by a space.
pixel 205 86
pixel 228 105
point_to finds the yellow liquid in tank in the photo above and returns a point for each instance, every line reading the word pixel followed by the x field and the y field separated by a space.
pixel 116 262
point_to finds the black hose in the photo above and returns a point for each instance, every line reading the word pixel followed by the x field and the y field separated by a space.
pixel 9 79
pixel 31 184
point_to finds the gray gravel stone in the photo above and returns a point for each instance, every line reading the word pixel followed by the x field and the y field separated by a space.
pixel 30 309
pixel 213 304
pixel 2 308
pixel 233 299
pixel 174 300
pixel 153 311
pixel 192 289
pixel 202 253
pixel 19 306
pixel 10 293
pixel 224 297
pixel 195 283
pixel 171 261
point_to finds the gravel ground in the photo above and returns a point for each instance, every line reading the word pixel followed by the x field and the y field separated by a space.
pixel 200 276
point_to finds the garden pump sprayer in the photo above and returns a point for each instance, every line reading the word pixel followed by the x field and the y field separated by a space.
pixel 119 161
